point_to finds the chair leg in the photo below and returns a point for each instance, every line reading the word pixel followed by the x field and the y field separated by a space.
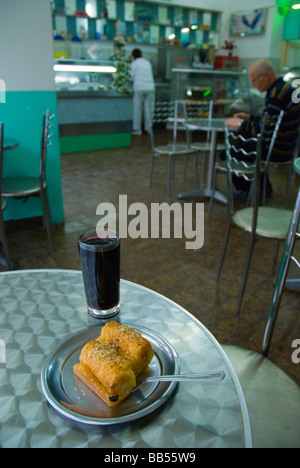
pixel 212 197
pixel 47 216
pixel 170 171
pixel 224 250
pixel 196 169
pixel 151 170
pixel 186 162
pixel 4 242
pixel 203 172
pixel 246 271
pixel 282 276
pixel 276 251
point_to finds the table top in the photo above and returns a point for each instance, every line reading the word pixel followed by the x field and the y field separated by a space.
pixel 297 165
pixel 10 143
pixel 206 124
pixel 40 309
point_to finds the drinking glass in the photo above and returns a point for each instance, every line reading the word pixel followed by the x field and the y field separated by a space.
pixel 100 263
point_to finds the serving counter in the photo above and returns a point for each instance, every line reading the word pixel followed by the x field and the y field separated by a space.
pixel 91 114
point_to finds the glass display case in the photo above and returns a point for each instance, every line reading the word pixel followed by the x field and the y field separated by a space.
pixel 85 75
pixel 224 87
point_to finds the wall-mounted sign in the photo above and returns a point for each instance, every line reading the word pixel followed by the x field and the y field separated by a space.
pixel 248 23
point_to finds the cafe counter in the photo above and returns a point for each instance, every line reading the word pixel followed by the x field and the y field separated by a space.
pixel 90 120
pixel 91 114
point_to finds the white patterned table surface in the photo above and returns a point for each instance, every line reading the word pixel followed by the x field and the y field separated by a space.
pixel 39 309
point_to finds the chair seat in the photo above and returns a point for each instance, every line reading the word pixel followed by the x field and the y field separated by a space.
pixel 272 398
pixel 236 166
pixel 207 147
pixel 174 149
pixel 272 222
pixel 21 187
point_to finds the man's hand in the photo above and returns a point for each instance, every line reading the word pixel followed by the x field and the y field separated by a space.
pixel 242 116
pixel 234 122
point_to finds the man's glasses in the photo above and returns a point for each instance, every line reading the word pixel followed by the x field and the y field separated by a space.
pixel 255 80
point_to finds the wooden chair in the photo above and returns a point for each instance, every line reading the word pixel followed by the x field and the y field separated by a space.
pixel 20 187
pixel 3 204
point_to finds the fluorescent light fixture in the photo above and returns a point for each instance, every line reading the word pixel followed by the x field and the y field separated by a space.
pixel 185 30
pixel 172 36
pixel 85 68
pixel 296 6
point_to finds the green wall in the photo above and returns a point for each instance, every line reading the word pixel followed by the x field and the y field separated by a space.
pixel 291 28
pixel 22 116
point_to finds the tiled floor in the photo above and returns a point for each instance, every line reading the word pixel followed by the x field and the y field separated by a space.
pixel 185 276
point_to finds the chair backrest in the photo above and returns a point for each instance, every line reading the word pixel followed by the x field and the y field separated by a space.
pixel 244 156
pixel 188 109
pixel 45 142
pixel 271 127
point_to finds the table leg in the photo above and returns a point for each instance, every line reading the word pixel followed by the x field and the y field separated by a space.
pixel 207 192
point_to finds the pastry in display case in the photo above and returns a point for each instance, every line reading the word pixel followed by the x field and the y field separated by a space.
pixel 223 87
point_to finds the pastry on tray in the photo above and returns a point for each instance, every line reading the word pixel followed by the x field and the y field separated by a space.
pixel 110 364
pixel 130 342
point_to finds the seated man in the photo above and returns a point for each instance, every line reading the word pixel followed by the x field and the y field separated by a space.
pixel 279 97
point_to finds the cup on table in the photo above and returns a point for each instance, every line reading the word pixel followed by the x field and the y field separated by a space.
pixel 100 263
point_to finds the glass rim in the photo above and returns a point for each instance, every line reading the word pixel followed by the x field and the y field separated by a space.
pixel 107 234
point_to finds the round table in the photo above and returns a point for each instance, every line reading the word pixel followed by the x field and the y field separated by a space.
pixel 40 309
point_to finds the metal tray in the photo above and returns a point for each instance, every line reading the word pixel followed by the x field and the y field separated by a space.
pixel 72 398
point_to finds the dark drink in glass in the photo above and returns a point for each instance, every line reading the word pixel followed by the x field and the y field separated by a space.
pixel 100 263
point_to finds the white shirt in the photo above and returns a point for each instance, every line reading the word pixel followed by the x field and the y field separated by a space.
pixel 142 75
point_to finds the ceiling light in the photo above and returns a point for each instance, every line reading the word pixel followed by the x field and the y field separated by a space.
pixel 185 30
pixel 296 6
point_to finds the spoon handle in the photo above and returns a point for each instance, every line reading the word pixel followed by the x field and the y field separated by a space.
pixel 212 376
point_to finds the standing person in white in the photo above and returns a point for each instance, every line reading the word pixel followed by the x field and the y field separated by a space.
pixel 143 92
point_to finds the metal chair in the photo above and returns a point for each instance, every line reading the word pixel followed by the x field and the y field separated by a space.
pixel 172 150
pixel 269 137
pixel 266 222
pixel 293 235
pixel 3 204
pixel 288 165
pixel 20 187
